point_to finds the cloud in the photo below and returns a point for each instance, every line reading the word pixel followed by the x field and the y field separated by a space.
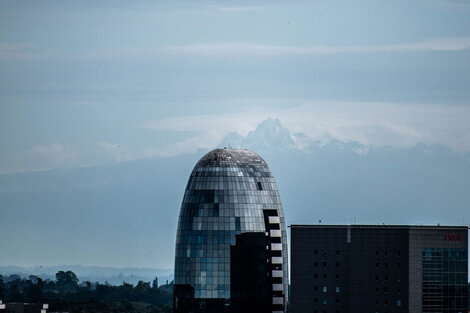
pixel 23 51
pixel 20 51
pixel 235 9
pixel 42 157
pixel 241 49
pixel 370 123
pixel 120 153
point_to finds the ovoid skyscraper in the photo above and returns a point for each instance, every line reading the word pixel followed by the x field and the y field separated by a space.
pixel 231 243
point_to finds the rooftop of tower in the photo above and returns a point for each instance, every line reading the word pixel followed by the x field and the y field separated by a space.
pixel 230 157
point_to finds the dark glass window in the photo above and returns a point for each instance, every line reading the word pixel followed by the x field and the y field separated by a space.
pixel 237 224
pixel 444 279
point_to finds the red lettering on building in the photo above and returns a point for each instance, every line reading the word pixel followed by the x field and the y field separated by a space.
pixel 453 237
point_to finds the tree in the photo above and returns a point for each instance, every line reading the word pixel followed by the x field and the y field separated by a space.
pixel 2 288
pixel 66 281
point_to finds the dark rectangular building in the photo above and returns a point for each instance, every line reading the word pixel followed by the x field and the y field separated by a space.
pixel 375 268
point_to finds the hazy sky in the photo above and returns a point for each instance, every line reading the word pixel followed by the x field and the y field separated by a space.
pixel 99 82
pixel 78 79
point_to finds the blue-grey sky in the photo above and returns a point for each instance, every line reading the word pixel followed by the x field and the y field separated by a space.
pixel 103 82
pixel 79 78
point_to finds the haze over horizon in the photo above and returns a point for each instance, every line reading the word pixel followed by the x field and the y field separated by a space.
pixel 100 101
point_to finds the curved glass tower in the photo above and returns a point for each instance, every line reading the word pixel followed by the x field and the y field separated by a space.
pixel 231 243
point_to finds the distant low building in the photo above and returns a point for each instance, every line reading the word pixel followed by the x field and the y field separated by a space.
pixel 23 308
pixel 371 268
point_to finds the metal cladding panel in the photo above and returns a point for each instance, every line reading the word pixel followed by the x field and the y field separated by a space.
pixel 226 194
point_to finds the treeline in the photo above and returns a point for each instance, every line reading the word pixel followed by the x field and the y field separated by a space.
pixel 66 294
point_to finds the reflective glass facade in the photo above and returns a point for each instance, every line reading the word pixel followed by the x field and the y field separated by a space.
pixel 445 280
pixel 230 192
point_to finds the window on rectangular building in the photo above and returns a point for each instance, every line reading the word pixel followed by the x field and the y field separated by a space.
pixel 315 252
pixel 315 288
pixel 337 276
pixel 324 264
pixel 399 302
pixel 325 301
pixel 337 289
pixel 337 264
pixel 325 289
pixel 325 276
pixel 337 252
